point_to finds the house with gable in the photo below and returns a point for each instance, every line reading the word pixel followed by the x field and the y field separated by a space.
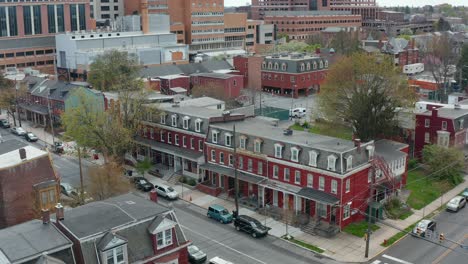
pixel 124 229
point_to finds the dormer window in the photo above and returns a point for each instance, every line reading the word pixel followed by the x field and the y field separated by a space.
pixel 198 124
pixel 444 125
pixel 258 145
pixel 295 154
pixel 113 249
pixel 283 66
pixel 321 64
pixel 461 123
pixel 326 63
pixel 313 158
pixel 242 142
pixel 315 65
pixel 302 66
pixel 228 139
pixel 270 65
pixel 263 65
pixel 116 255
pixel 331 163
pixel 276 66
pixel 186 122
pixel 163 119
pixel 349 163
pixel 308 66
pixel 278 151
pixel 174 120
pixel 214 136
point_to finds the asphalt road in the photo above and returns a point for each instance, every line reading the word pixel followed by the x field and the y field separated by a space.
pixel 66 166
pixel 415 250
pixel 224 241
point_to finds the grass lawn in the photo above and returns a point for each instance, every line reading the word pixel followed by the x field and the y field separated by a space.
pixel 397 236
pixel 359 228
pixel 327 129
pixel 424 191
pixel 304 244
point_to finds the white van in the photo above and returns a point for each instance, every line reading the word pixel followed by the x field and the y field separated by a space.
pixel 218 260
pixel 297 112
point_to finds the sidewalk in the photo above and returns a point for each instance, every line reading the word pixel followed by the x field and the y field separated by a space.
pixel 343 247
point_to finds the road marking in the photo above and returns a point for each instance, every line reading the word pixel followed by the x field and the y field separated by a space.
pixel 396 259
pixel 224 245
pixel 376 261
pixel 452 247
pixel 58 167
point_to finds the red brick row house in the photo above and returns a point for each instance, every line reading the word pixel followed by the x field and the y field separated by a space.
pixel 321 177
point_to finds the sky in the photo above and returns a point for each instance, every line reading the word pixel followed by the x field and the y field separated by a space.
pixel 379 2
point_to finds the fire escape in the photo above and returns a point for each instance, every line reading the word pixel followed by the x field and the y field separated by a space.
pixel 384 176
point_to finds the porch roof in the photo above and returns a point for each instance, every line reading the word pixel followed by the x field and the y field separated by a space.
pixel 173 150
pixel 230 172
pixel 36 108
pixel 318 195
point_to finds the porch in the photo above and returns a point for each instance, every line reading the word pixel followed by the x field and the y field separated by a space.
pixel 169 160
pixel 35 113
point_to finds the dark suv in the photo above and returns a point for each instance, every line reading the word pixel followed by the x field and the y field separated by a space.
pixel 250 225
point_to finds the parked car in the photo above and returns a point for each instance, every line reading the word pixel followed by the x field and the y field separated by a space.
pixel 456 203
pixel 31 137
pixel 58 147
pixel 424 225
pixel 250 225
pixel 143 184
pixel 19 131
pixel 196 255
pixel 465 194
pixel 219 213
pixel 166 191
pixel 297 112
pixel 218 260
pixel 4 123
pixel 68 190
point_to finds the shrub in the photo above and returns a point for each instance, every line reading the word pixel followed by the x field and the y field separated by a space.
pixel 412 163
pixel 182 179
pixel 192 182
pixel 306 125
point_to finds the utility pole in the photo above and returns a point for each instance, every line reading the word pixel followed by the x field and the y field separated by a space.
pixel 81 176
pixel 50 120
pixel 236 183
pixel 369 215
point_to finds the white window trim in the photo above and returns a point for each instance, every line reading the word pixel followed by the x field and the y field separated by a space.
pixel 346 211
pixel 313 158
pixel 284 174
pixel 174 120
pixel 214 136
pixel 186 122
pixel 348 185
pixel 444 125
pixel 331 163
pixel 166 242
pixel 176 139
pixel 258 142
pixel 296 172
pixel 349 163
pixel 427 122
pixel 321 183
pixel 310 184
pixel 114 254
pixel 334 187
pixel 231 160
pixel 163 119
pixel 226 141
pixel 200 145
pixel 295 149
pixel 275 171
pixel 242 142
pixel 279 154
pixel 198 124
pixel 221 157
pixel 213 155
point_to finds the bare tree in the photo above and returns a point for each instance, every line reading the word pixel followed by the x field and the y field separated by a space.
pixel 107 181
pixel 439 60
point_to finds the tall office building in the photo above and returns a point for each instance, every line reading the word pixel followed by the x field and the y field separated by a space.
pixel 27 30
pixel 107 9
pixel 366 8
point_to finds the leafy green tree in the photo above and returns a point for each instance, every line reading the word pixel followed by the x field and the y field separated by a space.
pixel 442 25
pixel 114 70
pixel 407 10
pixel 9 96
pixel 143 166
pixel 365 91
pixel 462 67
pixel 283 35
pixel 444 163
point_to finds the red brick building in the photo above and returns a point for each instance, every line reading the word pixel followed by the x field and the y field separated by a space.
pixel 404 52
pixel 124 229
pixel 442 125
pixel 27 30
pixel 228 85
pixel 293 74
pixel 249 67
pixel 289 171
pixel 27 184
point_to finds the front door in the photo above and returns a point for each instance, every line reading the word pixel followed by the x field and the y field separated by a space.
pixel 275 198
pixel 307 206
pixel 333 215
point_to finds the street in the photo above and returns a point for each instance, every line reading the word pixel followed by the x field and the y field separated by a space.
pixel 415 250
pixel 224 241
pixel 66 166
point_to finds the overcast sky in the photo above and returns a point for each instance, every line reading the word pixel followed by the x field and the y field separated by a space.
pixel 379 2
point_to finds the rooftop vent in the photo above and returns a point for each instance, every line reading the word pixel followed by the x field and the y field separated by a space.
pixel 456 106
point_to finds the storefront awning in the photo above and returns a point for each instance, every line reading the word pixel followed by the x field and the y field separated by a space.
pixel 173 150
pixel 317 195
pixel 40 109
pixel 230 172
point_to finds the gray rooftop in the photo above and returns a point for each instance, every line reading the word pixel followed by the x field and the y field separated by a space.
pixel 389 150
pixel 198 111
pixel 263 127
pixel 448 112
pixel 27 43
pixel 185 69
pixel 215 75
pixel 30 240
pixel 98 217
pixel 11 145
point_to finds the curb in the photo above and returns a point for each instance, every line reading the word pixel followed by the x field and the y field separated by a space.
pixel 315 252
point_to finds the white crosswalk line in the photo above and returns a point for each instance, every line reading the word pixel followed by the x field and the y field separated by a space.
pixel 376 261
pixel 396 259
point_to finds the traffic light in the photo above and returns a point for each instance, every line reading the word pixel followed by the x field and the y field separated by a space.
pixel 441 237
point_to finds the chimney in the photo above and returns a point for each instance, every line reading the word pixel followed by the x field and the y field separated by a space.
pixel 22 153
pixel 357 143
pixel 45 216
pixel 59 212
pixel 434 111
pixel 144 16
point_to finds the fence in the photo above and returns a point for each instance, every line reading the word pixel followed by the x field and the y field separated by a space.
pixel 273 112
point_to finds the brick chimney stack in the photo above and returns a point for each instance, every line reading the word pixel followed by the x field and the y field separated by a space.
pixel 144 16
pixel 59 212
pixel 45 216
